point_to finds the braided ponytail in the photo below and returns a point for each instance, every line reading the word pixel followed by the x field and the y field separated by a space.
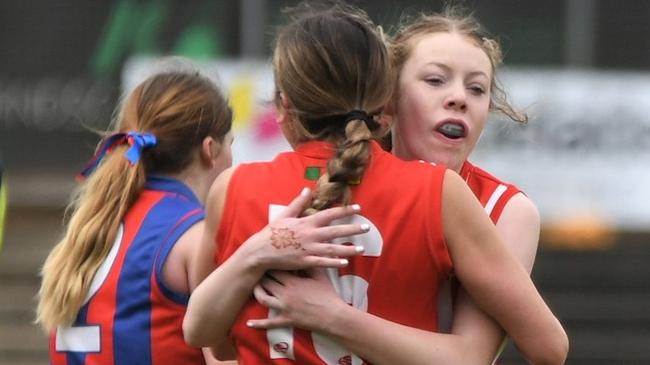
pixel 332 65
pixel 345 168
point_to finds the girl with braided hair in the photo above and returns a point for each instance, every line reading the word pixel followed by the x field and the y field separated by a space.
pixel 445 89
pixel 333 75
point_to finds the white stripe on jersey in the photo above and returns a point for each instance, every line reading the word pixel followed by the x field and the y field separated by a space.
pixel 496 195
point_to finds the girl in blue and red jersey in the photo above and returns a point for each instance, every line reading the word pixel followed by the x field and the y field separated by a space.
pixel 115 288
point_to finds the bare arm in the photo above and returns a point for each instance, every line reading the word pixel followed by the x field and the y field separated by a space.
pixel 483 264
pixel 519 228
pixel 202 263
pixel 496 280
pixel 180 272
pixel 211 360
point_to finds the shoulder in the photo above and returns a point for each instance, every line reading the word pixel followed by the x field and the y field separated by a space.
pixel 521 209
pixel 519 226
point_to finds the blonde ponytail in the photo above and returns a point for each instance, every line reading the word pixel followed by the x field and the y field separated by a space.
pixel 95 215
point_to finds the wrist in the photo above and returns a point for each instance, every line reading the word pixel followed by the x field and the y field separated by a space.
pixel 251 263
pixel 337 322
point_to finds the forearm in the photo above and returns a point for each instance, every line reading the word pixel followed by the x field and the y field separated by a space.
pixel 529 322
pixel 480 333
pixel 519 228
pixel 380 341
pixel 495 280
pixel 216 302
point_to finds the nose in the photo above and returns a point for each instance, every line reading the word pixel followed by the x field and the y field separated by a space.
pixel 457 98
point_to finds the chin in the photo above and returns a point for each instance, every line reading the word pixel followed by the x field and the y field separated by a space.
pixel 452 162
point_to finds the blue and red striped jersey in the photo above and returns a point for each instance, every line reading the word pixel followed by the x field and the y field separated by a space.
pixel 130 316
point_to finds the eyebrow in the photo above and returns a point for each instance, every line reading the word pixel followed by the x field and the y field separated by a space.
pixel 448 69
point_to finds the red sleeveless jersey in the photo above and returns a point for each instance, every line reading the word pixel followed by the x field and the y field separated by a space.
pixel 130 316
pixel 493 193
pixel 397 277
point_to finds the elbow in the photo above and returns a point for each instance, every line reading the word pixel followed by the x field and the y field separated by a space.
pixel 554 353
pixel 561 350
pixel 192 330
pixel 190 333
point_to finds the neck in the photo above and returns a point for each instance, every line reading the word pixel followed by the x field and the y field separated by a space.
pixel 193 180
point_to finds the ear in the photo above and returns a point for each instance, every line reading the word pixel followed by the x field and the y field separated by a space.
pixel 283 114
pixel 210 149
pixel 387 116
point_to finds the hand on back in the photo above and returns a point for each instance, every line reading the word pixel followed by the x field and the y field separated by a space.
pixel 299 300
pixel 292 243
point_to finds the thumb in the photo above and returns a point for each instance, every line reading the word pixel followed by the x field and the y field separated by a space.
pixel 297 205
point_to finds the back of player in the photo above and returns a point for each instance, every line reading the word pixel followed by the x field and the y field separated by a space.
pixel 116 286
pixel 405 227
pixel 143 324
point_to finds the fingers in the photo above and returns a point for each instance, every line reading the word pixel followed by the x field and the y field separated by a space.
pixel 332 250
pixel 329 233
pixel 324 262
pixel 324 217
pixel 279 276
pixel 266 323
pixel 270 283
pixel 297 205
pixel 265 299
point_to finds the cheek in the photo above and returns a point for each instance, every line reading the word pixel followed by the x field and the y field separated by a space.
pixel 480 114
pixel 413 113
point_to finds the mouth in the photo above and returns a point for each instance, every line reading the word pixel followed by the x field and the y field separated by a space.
pixel 452 129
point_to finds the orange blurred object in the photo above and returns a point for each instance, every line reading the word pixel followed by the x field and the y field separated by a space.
pixel 579 232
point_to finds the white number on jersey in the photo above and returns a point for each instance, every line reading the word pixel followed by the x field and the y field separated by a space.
pixel 87 338
pixel 353 289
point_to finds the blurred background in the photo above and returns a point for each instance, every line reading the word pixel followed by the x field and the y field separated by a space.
pixel 580 68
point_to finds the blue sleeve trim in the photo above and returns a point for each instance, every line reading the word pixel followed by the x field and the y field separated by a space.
pixel 184 223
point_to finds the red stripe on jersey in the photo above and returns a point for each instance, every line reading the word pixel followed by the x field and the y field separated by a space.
pixel 483 185
pixel 102 310
pixel 170 336
pixel 56 357
pixel 165 310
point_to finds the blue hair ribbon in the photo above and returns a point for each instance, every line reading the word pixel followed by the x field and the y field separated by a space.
pixel 138 142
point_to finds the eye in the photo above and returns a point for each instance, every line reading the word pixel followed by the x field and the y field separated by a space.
pixel 434 80
pixel 477 89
